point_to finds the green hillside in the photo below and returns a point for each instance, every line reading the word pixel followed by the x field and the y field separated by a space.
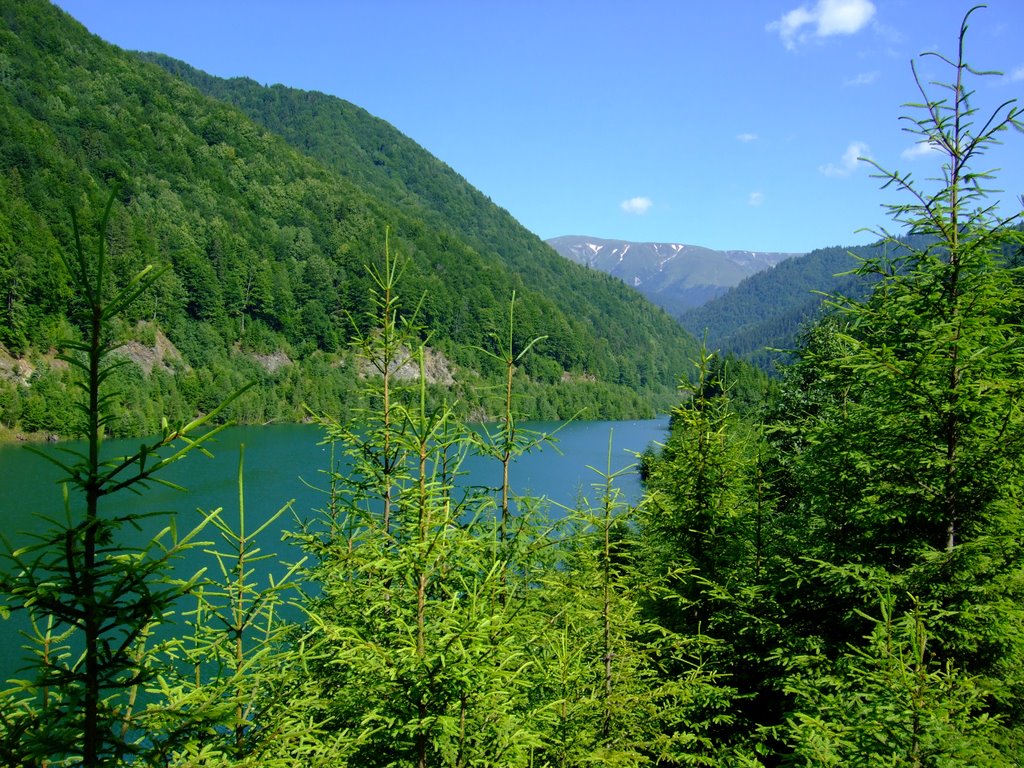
pixel 762 318
pixel 267 246
pixel 767 311
pixel 394 168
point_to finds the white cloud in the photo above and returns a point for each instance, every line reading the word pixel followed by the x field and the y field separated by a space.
pixel 1017 74
pixel 843 17
pixel 636 205
pixel 747 137
pixel 790 24
pixel 755 199
pixel 849 162
pixel 921 149
pixel 825 18
pixel 864 78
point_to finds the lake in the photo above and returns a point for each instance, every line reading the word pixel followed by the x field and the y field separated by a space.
pixel 282 462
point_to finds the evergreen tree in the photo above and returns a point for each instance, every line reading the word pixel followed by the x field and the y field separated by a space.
pixel 92 599
pixel 419 624
pixel 711 531
pixel 908 464
pixel 626 690
pixel 240 693
pixel 888 701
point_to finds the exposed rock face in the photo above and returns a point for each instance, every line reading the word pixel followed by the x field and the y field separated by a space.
pixel 14 369
pixel 569 377
pixel 161 353
pixel 436 367
pixel 20 369
pixel 274 361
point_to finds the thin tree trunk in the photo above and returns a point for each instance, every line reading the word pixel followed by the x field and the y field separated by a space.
pixel 86 586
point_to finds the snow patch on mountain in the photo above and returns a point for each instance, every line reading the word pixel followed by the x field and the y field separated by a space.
pixel 676 276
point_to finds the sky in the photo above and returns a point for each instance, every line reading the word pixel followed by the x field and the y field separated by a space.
pixel 730 124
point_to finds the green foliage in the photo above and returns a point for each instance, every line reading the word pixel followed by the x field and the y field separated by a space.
pixel 890 702
pixel 912 463
pixel 890 465
pixel 417 649
pixel 91 599
pixel 261 245
pixel 395 169
pixel 839 585
pixel 696 487
pixel 711 530
pixel 901 448
pixel 761 318
pixel 766 310
pixel 241 693
pixel 459 625
pixel 628 690
pixel 418 619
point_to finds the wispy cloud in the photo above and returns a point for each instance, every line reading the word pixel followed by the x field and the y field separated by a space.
pixel 849 162
pixel 746 138
pixel 636 205
pixel 863 78
pixel 824 19
pixel 755 199
pixel 921 149
pixel 1017 74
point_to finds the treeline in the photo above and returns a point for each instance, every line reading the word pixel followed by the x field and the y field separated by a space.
pixel 320 383
pixel 265 248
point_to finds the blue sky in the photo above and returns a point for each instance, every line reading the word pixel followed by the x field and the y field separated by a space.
pixel 731 124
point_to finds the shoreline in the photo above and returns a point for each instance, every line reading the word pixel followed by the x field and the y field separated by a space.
pixel 10 436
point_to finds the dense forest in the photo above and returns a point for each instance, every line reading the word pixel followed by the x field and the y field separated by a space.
pixel 762 316
pixel 263 251
pixel 830 574
pixel 761 319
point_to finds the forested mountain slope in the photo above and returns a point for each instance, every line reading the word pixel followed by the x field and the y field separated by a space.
pixel 394 168
pixel 766 311
pixel 266 250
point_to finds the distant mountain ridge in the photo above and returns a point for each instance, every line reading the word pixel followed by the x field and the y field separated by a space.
pixel 676 276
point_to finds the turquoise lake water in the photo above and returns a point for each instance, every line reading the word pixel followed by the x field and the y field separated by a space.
pixel 285 463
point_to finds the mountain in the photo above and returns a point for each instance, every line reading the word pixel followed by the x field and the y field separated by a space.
pixel 383 162
pixel 765 313
pixel 674 276
pixel 266 228
pixel 372 153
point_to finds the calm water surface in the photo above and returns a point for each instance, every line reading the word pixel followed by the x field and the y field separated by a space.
pixel 282 462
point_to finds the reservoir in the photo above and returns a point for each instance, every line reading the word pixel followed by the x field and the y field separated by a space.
pixel 287 464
